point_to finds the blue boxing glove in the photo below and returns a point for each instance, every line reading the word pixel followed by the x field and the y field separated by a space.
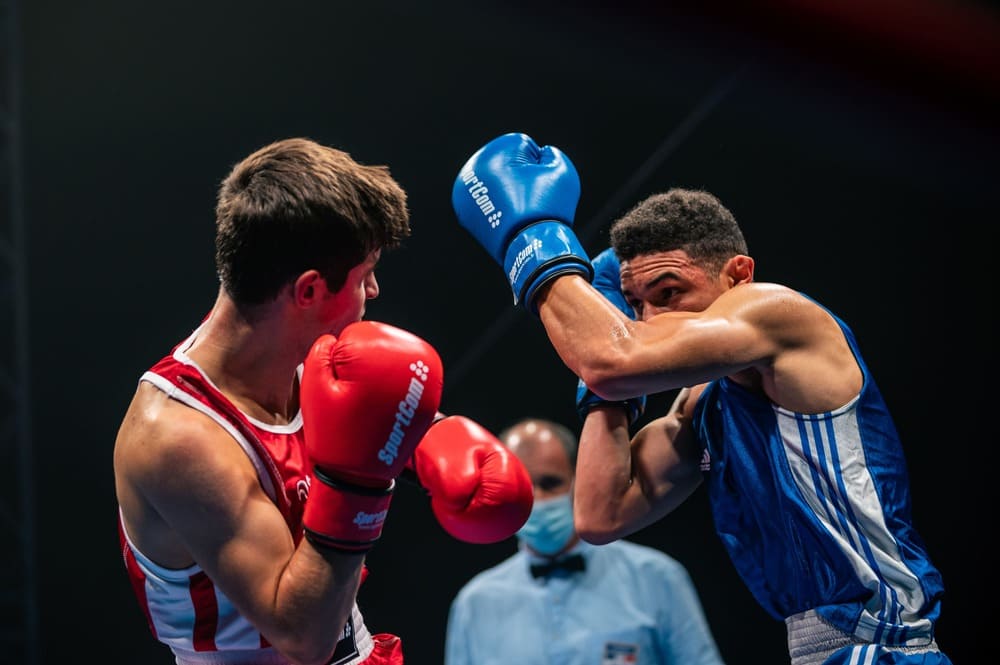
pixel 607 281
pixel 518 201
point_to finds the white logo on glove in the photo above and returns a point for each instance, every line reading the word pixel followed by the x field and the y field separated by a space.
pixel 370 520
pixel 404 413
pixel 522 258
pixel 420 369
pixel 480 194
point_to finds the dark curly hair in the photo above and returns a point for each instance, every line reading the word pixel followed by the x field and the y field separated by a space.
pixel 690 220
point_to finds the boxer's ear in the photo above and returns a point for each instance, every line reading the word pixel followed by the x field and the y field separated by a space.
pixel 738 270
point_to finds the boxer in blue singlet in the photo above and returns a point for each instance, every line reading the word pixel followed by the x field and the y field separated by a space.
pixel 776 412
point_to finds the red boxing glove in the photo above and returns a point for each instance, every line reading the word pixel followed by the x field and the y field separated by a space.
pixel 367 399
pixel 480 492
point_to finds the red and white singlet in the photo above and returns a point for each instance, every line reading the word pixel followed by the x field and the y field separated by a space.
pixel 185 610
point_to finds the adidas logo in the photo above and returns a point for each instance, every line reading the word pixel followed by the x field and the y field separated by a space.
pixel 706 461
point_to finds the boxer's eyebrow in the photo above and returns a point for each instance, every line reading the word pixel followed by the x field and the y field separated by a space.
pixel 653 283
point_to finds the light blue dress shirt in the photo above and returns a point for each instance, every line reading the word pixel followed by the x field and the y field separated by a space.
pixel 633 605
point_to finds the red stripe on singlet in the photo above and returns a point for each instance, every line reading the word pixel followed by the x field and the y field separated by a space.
pixel 206 612
pixel 136 577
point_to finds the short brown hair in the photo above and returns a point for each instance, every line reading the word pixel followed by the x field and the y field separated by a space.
pixel 296 205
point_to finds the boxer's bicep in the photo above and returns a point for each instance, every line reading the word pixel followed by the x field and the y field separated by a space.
pixel 666 460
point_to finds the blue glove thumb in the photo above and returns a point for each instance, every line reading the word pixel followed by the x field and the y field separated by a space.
pixel 607 280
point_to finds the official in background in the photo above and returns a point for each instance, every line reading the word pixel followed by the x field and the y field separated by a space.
pixel 561 600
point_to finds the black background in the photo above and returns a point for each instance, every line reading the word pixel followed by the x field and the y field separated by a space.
pixel 858 150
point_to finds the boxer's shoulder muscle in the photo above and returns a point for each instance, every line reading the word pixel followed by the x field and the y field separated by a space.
pixel 160 433
pixel 168 459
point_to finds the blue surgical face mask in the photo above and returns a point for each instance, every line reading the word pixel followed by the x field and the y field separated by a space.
pixel 550 526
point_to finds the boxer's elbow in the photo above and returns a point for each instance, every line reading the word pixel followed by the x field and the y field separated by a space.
pixel 608 376
pixel 306 647
pixel 596 536
pixel 594 528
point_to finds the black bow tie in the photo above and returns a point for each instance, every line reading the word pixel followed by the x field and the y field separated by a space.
pixel 571 563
